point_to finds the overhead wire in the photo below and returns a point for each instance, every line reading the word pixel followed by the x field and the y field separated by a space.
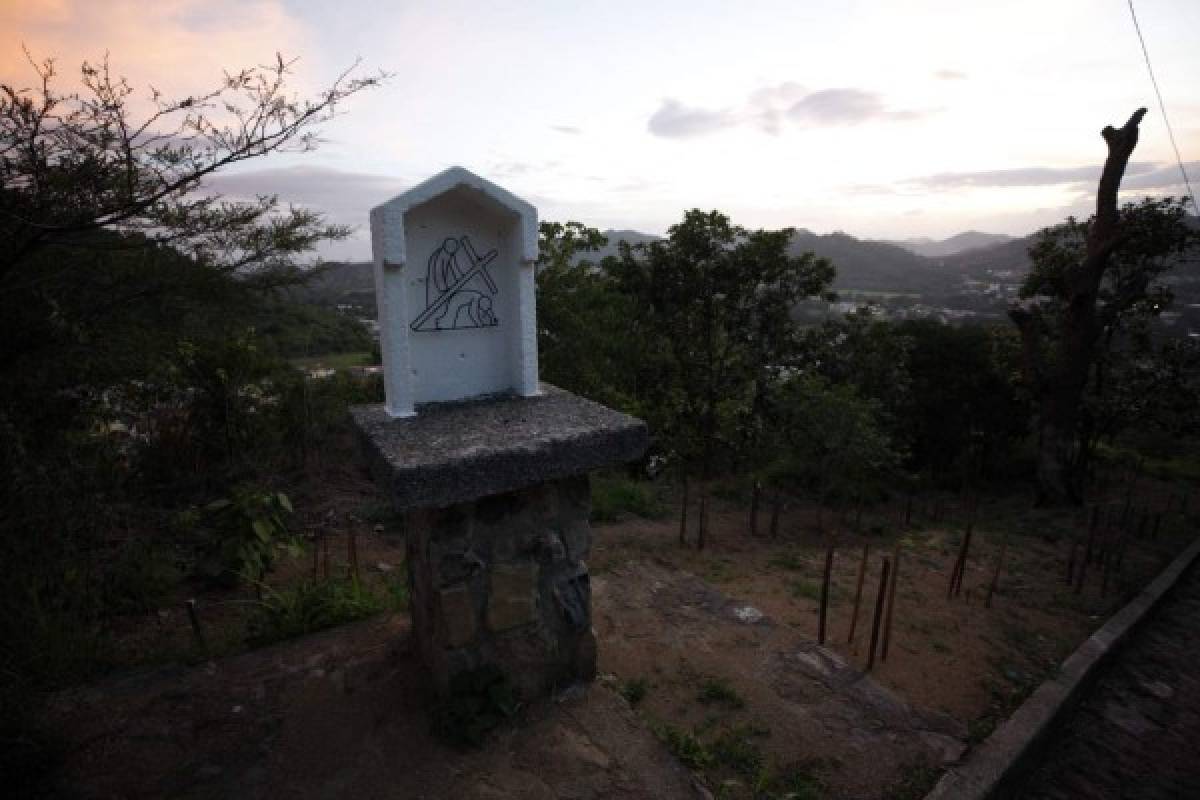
pixel 1162 107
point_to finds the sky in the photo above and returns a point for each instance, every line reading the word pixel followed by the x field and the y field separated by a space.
pixel 883 119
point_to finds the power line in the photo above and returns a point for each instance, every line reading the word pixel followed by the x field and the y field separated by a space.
pixel 1163 107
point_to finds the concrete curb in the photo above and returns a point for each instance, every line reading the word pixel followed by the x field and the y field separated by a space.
pixel 992 768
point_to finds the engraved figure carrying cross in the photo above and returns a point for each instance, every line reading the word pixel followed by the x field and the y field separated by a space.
pixel 458 288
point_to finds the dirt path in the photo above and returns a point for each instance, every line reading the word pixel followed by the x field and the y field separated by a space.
pixel 342 714
pixel 1135 734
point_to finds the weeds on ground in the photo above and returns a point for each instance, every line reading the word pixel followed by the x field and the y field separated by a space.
pixel 788 559
pixel 685 746
pixel 807 589
pixel 478 702
pixel 141 578
pixel 720 691
pixel 614 496
pixel 916 781
pixel 311 606
pixel 634 690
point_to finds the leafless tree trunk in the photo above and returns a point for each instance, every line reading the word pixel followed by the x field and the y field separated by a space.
pixel 1059 387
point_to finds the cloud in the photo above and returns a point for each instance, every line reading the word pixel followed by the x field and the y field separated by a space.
pixel 949 75
pixel 345 197
pixel 770 107
pixel 1022 176
pixel 1166 176
pixel 673 120
pixel 570 130
pixel 845 107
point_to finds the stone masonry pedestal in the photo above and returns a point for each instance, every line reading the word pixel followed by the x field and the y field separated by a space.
pixel 496 498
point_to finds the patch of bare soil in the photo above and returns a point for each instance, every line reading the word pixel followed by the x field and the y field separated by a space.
pixel 954 667
pixel 342 714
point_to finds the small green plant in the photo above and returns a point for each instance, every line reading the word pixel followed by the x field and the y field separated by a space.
pixel 685 746
pixel 310 606
pixel 634 690
pixel 734 748
pixel 397 591
pixel 788 559
pixel 795 782
pixel 247 529
pixel 478 702
pixel 980 728
pixel 916 781
pixel 614 496
pixel 720 691
pixel 809 590
pixel 140 578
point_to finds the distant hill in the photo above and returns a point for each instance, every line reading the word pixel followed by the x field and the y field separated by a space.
pixel 614 237
pixel 875 266
pixel 1011 256
pixel 861 263
pixel 341 283
pixel 960 242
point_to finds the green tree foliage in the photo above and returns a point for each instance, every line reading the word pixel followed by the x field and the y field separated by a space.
pixel 1154 237
pixel 127 298
pixel 715 300
pixel 830 441
pixel 963 409
pixel 589 336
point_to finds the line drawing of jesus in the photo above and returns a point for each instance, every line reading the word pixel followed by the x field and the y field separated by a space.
pixel 458 288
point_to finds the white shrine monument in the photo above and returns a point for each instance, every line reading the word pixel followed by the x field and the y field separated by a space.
pixel 454 284
pixel 489 467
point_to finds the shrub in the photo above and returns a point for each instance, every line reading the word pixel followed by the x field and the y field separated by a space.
pixel 719 690
pixel 613 496
pixel 634 690
pixel 309 607
pixel 478 702
pixel 247 528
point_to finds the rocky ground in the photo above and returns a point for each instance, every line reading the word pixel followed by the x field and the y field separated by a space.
pixel 345 713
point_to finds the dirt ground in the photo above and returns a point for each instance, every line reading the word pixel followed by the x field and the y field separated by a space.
pixel 714 650
pixel 950 656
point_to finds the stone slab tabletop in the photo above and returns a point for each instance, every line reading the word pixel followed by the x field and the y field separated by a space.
pixel 452 453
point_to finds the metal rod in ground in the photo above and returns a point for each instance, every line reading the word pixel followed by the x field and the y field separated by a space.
pixel 1089 553
pixel 1083 565
pixel 960 561
pixel 891 603
pixel 966 549
pixel 754 493
pixel 1122 546
pixel 879 598
pixel 963 567
pixel 1071 561
pixel 858 589
pixel 987 603
pixel 683 511
pixel 194 618
pixel 1104 566
pixel 824 595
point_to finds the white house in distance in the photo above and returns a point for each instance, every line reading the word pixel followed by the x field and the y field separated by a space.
pixel 454 281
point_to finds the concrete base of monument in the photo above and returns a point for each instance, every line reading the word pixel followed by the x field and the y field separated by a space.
pixel 496 498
